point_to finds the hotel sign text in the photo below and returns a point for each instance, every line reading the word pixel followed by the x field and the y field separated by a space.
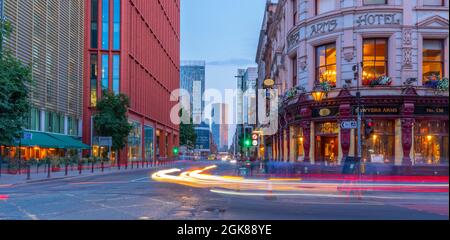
pixel 377 19
pixel 323 27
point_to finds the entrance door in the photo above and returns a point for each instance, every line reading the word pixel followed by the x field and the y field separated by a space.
pixel 326 149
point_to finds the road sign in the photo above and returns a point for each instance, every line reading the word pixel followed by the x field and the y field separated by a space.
pixel 349 124
pixel 105 141
pixel 27 136
pixel 255 143
pixel 255 136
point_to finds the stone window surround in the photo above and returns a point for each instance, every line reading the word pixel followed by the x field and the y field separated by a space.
pixel 392 46
pixel 437 36
pixel 311 65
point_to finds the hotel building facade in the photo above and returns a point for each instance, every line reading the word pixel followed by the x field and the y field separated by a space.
pixel 132 47
pixel 400 49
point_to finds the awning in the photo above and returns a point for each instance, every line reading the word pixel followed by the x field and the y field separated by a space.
pixel 71 143
pixel 49 140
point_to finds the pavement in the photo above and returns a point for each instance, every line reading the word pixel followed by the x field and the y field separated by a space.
pixel 133 195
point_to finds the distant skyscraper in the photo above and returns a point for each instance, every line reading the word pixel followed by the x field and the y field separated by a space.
pixel 219 125
pixel 192 76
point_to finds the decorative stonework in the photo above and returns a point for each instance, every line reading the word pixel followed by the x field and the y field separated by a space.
pixel 302 64
pixel 293 39
pixel 407 127
pixel 407 36
pixel 349 53
pixel 407 47
pixel 407 57
pixel 306 126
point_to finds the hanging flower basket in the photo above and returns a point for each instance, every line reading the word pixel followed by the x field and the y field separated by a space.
pixel 381 81
pixel 438 84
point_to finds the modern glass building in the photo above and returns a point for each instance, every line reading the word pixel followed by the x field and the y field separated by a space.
pixel 192 75
pixel 47 35
pixel 132 47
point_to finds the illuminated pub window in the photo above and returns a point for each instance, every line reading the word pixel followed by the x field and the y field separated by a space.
pixel 431 142
pixel 134 142
pixel 375 60
pixel 326 64
pixel 380 146
pixel 298 138
pixel 433 60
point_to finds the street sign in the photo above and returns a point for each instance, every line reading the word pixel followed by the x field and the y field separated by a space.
pixel 27 136
pixel 105 141
pixel 255 143
pixel 349 124
pixel 255 136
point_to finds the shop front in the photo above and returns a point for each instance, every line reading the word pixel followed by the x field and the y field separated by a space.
pixel 40 145
pixel 408 131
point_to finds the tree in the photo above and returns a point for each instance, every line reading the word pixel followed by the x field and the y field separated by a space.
pixel 187 132
pixel 111 119
pixel 14 102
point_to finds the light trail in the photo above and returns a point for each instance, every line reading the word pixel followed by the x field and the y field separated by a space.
pixel 199 179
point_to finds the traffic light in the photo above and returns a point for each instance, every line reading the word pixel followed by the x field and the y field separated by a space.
pixel 175 151
pixel 369 128
pixel 247 143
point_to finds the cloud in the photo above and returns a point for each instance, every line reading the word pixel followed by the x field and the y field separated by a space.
pixel 232 62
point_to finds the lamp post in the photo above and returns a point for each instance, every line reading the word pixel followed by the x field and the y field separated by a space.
pixel 356 70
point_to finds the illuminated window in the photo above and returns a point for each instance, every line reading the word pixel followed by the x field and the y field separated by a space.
pixel 326 64
pixel 433 60
pixel 149 143
pixel 380 146
pixel 431 142
pixel 323 6
pixel 375 60
pixel 94 75
pixel 134 142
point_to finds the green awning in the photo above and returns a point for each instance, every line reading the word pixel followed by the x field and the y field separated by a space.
pixel 71 143
pixel 49 140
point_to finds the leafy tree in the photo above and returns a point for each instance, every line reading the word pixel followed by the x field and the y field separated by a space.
pixel 187 132
pixel 14 102
pixel 111 119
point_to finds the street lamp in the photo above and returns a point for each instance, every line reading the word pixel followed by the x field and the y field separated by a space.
pixel 318 95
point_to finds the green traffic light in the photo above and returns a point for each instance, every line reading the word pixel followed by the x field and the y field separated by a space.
pixel 247 143
pixel 175 150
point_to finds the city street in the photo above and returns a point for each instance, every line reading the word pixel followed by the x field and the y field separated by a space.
pixel 135 196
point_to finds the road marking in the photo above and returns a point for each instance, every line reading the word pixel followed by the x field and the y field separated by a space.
pixel 139 179
pixel 25 212
pixel 157 200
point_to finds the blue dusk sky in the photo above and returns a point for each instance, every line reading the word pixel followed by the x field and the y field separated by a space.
pixel 225 34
